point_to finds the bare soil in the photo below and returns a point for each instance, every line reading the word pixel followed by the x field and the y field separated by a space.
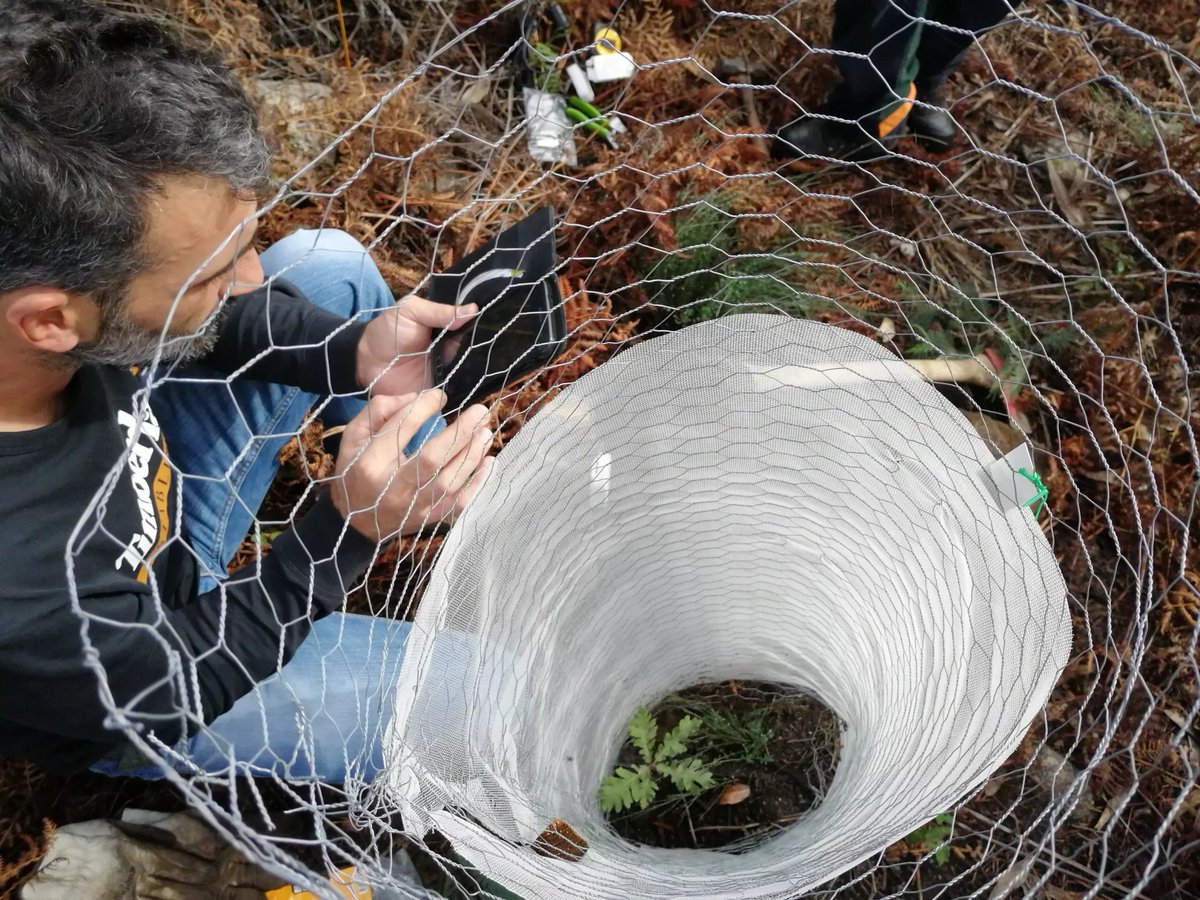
pixel 787 770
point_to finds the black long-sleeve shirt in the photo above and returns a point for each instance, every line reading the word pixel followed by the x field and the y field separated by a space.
pixel 163 653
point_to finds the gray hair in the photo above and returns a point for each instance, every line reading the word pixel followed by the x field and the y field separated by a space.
pixel 96 110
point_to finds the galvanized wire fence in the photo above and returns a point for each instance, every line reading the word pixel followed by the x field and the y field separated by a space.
pixel 1039 272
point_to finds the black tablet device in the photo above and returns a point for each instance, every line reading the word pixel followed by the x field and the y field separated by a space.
pixel 520 327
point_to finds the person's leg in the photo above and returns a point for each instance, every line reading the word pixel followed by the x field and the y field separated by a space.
pixel 941 49
pixel 326 715
pixel 323 715
pixel 939 54
pixel 875 42
pixel 224 435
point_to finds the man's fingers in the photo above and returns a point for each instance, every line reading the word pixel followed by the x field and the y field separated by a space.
pixel 450 508
pixel 476 483
pixel 459 470
pixel 372 418
pixel 407 421
pixel 441 449
pixel 437 315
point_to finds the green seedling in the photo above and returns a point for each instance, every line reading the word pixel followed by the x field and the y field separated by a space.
pixel 744 737
pixel 543 61
pixel 710 274
pixel 934 834
pixel 661 758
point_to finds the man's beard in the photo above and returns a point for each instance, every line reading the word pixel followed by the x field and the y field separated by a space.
pixel 119 342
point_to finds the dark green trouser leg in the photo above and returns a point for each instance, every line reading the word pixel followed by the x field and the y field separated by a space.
pixel 941 50
pixel 886 34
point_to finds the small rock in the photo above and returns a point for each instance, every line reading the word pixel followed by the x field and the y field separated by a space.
pixel 1055 774
pixel 295 109
pixel 1002 437
pixel 1013 879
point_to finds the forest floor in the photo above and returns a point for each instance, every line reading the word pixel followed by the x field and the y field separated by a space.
pixel 1061 232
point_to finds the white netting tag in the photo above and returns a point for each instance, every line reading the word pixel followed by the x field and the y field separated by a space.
pixel 751 498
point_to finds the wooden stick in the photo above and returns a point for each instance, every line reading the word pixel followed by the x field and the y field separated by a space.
pixel 342 28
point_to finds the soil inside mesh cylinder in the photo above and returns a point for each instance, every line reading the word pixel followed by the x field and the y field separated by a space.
pixel 754 758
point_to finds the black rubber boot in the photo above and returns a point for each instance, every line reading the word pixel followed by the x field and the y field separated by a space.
pixel 934 128
pixel 811 136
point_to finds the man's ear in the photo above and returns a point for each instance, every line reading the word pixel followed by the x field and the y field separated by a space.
pixel 49 319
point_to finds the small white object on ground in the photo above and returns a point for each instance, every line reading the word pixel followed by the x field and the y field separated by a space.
pixel 604 67
pixel 549 132
pixel 579 81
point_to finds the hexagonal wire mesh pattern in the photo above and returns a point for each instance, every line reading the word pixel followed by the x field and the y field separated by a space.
pixel 794 372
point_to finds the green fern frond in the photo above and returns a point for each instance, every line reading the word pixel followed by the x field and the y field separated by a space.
pixel 628 786
pixel 674 742
pixel 690 776
pixel 643 731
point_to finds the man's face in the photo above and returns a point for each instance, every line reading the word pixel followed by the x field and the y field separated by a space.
pixel 188 222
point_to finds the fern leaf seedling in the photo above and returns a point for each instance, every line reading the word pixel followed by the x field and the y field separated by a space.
pixel 638 786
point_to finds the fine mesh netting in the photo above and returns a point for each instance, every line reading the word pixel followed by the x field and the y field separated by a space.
pixel 791 439
pixel 752 498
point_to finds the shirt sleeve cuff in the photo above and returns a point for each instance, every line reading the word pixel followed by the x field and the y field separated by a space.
pixel 342 359
pixel 334 554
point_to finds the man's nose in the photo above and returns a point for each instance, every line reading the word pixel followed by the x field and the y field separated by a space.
pixel 247 274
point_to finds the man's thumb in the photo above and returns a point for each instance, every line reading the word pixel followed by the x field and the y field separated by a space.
pixel 437 315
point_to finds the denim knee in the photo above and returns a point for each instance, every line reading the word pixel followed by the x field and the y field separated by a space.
pixel 332 268
pixel 304 242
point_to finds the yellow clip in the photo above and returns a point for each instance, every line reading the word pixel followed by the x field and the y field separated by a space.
pixel 607 40
pixel 343 880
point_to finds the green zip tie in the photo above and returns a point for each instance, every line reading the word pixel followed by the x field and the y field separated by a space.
pixel 1043 492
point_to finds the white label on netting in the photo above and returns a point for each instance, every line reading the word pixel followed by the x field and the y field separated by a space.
pixel 1008 474
pixel 782 501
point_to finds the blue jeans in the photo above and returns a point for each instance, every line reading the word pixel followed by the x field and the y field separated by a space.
pixel 323 714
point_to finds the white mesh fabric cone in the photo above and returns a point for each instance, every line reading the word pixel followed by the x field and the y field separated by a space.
pixel 752 498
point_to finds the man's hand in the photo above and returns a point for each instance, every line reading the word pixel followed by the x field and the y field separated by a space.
pixel 391 354
pixel 381 492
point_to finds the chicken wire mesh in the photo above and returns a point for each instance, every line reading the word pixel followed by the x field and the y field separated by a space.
pixel 723 466
pixel 1039 273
